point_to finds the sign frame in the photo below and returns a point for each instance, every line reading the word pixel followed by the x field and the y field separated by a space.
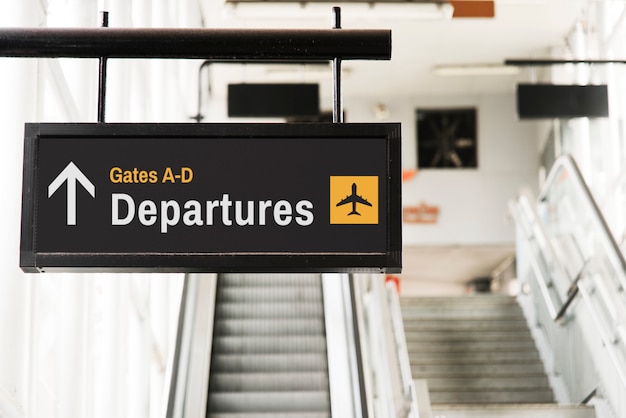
pixel 387 261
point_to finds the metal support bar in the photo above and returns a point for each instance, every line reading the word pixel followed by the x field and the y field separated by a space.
pixel 572 292
pixel 548 62
pixel 226 44
pixel 102 76
pixel 337 105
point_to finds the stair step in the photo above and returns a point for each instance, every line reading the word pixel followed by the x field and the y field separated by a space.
pixel 267 363
pixel 460 336
pixel 474 350
pixel 512 411
pixel 459 314
pixel 269 345
pixel 244 294
pixel 258 382
pixel 462 346
pixel 309 401
pixel 458 310
pixel 474 357
pixel 470 300
pixel 252 327
pixel 442 325
pixel 425 371
pixel 491 397
pixel 488 383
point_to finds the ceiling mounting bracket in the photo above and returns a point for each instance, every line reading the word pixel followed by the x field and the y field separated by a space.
pixel 102 75
pixel 336 67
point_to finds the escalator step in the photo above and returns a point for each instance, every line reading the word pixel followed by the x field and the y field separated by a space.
pixel 269 294
pixel 268 363
pixel 270 279
pixel 269 345
pixel 274 382
pixel 268 415
pixel 269 354
pixel 270 310
pixel 253 327
pixel 313 401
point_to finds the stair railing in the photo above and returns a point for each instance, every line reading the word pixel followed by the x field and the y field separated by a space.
pixel 572 251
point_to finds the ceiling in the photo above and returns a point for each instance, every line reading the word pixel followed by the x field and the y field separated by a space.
pixel 422 38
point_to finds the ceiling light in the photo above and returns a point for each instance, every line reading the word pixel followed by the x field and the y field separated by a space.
pixel 350 12
pixel 475 70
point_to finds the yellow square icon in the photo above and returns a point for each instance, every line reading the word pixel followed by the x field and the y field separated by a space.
pixel 354 200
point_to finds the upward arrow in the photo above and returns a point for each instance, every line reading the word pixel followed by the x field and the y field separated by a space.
pixel 71 174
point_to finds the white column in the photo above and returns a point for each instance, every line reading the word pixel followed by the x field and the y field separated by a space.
pixel 614 206
pixel 581 145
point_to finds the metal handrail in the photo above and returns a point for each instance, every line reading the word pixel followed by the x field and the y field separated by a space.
pixel 531 235
pixel 609 343
pixel 408 386
pixel 614 252
pixel 578 286
pixel 354 338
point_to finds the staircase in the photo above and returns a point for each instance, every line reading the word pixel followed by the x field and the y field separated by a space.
pixel 269 348
pixel 479 359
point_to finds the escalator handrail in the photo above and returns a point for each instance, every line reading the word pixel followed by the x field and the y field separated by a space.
pixel 360 393
pixel 173 406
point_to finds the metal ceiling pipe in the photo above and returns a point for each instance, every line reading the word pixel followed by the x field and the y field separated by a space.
pixel 223 44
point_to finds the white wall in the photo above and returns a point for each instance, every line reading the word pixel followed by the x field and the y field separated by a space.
pixel 472 202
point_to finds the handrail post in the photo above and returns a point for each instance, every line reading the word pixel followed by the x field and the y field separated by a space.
pixel 336 64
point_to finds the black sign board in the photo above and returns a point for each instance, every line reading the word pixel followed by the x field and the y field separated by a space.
pixel 550 101
pixel 273 100
pixel 212 197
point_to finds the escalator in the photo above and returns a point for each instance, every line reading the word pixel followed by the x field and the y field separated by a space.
pixel 267 345
pixel 269 355
pixel 288 345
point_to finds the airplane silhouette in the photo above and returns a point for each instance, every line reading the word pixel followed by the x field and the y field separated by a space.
pixel 354 199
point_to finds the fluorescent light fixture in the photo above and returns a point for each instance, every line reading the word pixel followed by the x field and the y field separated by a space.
pixel 303 71
pixel 475 70
pixel 349 12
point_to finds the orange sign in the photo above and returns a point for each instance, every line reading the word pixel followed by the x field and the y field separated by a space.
pixel 420 214
pixel 473 8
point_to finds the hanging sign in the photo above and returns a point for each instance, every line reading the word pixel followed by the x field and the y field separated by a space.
pixel 211 197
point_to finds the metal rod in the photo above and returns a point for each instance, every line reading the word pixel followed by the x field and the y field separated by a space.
pixel 102 76
pixel 547 62
pixel 337 105
pixel 225 44
pixel 199 116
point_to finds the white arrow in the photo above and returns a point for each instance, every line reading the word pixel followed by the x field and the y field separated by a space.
pixel 71 174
